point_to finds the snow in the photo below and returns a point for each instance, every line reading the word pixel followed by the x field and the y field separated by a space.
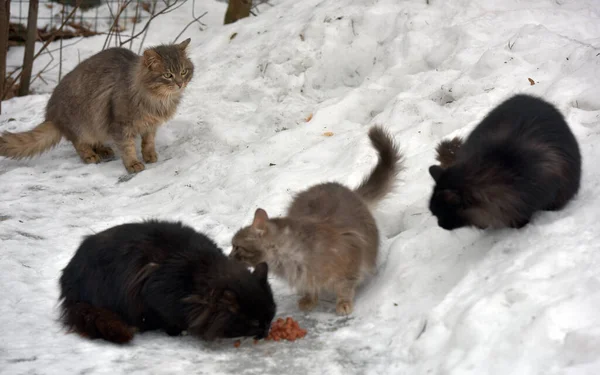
pixel 464 302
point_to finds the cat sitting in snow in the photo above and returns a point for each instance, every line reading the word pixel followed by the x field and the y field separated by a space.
pixel 162 275
pixel 329 239
pixel 520 159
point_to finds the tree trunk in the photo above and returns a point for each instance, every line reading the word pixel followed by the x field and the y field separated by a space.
pixel 29 47
pixel 4 21
pixel 237 9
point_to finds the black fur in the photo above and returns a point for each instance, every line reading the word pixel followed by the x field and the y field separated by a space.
pixel 520 159
pixel 162 275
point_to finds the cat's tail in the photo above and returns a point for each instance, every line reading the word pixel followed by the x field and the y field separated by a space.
pixel 96 322
pixel 446 151
pixel 390 163
pixel 30 143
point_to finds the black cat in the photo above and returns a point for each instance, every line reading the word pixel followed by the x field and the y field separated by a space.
pixel 520 159
pixel 162 275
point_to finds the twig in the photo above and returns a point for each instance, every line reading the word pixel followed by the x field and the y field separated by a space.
pixel 167 9
pixel 114 28
pixel 39 74
pixel 152 13
pixel 261 2
pixel 196 19
pixel 137 14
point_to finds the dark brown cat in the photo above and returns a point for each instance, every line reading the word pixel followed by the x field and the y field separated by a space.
pixel 520 159
pixel 329 239
pixel 113 95
pixel 162 275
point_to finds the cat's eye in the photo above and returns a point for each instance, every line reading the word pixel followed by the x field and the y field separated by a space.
pixel 184 72
pixel 168 75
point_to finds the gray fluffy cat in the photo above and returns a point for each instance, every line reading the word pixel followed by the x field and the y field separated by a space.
pixel 113 95
pixel 328 240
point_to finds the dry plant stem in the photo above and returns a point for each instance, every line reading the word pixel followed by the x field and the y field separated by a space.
pixel 114 28
pixel 43 48
pixel 137 15
pixel 195 19
pixel 44 69
pixel 152 13
pixel 168 8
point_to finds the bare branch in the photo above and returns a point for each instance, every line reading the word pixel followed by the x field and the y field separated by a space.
pixel 50 40
pixel 167 9
pixel 196 19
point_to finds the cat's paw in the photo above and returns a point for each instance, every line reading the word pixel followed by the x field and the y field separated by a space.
pixel 135 167
pixel 104 152
pixel 91 159
pixel 150 156
pixel 344 308
pixel 307 303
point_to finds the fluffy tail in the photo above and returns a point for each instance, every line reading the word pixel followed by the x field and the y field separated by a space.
pixel 446 151
pixel 30 143
pixel 95 322
pixel 391 162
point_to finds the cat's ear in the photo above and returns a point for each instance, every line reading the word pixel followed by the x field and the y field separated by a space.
pixel 260 220
pixel 151 58
pixel 230 301
pixel 451 196
pixel 183 45
pixel 261 271
pixel 435 171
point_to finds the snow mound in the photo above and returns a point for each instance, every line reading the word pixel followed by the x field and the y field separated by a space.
pixel 465 302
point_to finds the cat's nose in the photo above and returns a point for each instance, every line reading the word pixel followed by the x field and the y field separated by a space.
pixel 179 84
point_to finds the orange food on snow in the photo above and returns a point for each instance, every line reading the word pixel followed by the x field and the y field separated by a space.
pixel 237 343
pixel 328 134
pixel 287 329
pixel 531 81
pixel 309 117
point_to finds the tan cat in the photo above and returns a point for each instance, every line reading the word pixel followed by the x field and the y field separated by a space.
pixel 329 239
pixel 113 95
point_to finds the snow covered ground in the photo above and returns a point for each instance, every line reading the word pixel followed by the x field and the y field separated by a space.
pixel 465 302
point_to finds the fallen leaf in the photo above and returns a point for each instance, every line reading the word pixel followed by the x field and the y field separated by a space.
pixel 328 134
pixel 302 37
pixel 232 36
pixel 309 118
pixel 531 81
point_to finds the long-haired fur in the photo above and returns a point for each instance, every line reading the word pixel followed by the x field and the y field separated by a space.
pixel 328 241
pixel 162 275
pixel 114 95
pixel 520 159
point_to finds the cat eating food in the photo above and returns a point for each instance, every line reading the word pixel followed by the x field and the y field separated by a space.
pixel 329 239
pixel 162 275
pixel 113 95
pixel 520 159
